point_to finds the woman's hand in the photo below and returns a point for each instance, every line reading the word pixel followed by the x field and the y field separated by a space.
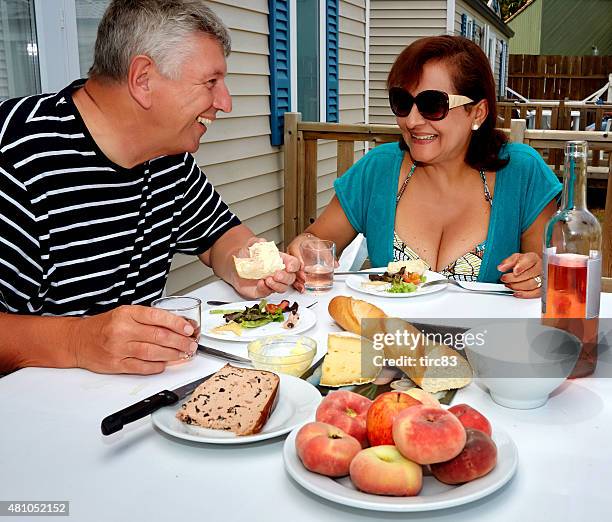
pixel 523 274
pixel 294 250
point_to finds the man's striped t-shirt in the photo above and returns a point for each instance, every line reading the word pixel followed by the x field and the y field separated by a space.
pixel 80 235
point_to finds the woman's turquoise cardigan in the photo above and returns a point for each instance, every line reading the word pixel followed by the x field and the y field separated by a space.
pixel 523 188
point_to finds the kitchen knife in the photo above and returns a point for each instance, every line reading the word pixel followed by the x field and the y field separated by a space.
pixel 116 421
pixel 223 355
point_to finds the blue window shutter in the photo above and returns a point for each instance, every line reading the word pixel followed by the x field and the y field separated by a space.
pixel 280 81
pixel 332 61
pixel 463 24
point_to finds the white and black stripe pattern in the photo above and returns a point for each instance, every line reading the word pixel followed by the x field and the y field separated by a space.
pixel 79 234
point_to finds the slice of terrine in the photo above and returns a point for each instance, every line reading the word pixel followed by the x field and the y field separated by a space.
pixel 233 399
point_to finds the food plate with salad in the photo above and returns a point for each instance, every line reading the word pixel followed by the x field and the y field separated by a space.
pixel 403 283
pixel 245 321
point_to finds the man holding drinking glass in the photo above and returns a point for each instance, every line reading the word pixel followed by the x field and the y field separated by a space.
pixel 99 190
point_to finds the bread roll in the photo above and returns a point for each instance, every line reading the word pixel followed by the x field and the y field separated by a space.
pixel 349 312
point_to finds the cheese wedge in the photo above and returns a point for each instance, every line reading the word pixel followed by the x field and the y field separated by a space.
pixel 264 260
pixel 231 327
pixel 413 266
pixel 379 286
pixel 349 360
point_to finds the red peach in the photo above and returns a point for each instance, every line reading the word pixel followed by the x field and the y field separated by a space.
pixel 347 411
pixel 471 418
pixel 382 470
pixel 425 397
pixel 380 416
pixel 428 435
pixel 326 449
pixel 477 458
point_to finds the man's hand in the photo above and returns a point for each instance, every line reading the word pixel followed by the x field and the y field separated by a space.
pixel 132 339
pixel 278 282
pixel 220 258
pixel 524 274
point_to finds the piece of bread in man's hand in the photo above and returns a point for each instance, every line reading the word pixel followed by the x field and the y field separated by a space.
pixel 264 259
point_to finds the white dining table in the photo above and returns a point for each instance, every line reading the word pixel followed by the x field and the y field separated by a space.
pixel 51 447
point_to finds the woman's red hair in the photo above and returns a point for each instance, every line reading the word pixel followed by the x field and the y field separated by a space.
pixel 471 76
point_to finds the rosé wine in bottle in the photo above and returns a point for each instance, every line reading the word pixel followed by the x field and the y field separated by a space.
pixel 572 263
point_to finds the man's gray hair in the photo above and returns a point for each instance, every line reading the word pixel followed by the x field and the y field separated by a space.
pixel 158 29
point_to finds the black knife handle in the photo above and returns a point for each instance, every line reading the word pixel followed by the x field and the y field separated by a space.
pixel 116 421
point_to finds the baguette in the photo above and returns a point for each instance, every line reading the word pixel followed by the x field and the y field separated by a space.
pixel 349 312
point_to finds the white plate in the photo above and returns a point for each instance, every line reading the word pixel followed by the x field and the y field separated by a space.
pixel 434 495
pixel 297 403
pixel 354 282
pixel 210 321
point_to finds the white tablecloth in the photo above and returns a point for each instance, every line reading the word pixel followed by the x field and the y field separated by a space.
pixel 51 448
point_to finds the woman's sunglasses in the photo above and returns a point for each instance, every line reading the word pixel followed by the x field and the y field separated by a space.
pixel 433 105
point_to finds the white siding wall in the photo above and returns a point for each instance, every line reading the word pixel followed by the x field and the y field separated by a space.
pixel 4 43
pixel 461 8
pixel 352 61
pixel 236 153
pixel 394 24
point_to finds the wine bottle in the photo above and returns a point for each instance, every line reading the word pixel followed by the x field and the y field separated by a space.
pixel 571 261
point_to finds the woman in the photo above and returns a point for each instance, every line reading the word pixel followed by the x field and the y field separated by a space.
pixel 452 192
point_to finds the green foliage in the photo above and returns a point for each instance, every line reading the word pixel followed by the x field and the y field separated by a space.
pixel 509 7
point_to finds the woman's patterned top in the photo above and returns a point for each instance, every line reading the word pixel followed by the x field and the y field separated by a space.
pixel 466 267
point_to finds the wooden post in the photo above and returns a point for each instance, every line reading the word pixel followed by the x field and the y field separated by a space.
pixel 538 118
pixel 291 184
pixel 517 131
pixel 310 182
pixel 606 269
pixel 595 153
pixel 346 156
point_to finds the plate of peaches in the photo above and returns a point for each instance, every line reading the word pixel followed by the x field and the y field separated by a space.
pixel 399 453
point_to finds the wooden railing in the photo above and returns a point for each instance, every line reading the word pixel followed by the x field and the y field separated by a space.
pixel 561 115
pixel 300 155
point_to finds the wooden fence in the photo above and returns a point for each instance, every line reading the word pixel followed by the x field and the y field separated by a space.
pixel 557 77
pixel 300 188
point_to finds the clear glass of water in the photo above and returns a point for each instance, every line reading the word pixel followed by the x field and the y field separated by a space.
pixel 189 308
pixel 319 258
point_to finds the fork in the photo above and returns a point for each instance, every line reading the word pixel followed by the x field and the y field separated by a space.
pixel 438 282
pixel 222 303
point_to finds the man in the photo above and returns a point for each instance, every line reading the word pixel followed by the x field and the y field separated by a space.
pixel 98 191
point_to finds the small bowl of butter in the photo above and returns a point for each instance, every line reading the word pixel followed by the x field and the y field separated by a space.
pixel 290 354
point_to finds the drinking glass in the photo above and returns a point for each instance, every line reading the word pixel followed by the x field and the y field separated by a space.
pixel 319 258
pixel 189 308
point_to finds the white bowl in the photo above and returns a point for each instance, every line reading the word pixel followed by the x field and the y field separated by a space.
pixel 521 361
